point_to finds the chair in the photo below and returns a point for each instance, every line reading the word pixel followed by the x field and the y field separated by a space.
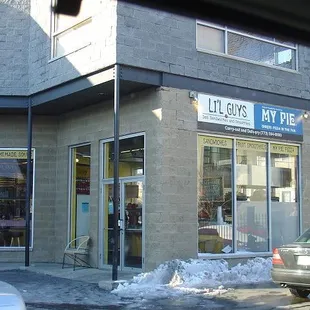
pixel 75 249
pixel 15 236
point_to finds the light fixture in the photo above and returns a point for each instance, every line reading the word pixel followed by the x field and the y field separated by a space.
pixel 305 115
pixel 193 95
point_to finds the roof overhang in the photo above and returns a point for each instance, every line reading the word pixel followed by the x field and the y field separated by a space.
pixel 99 87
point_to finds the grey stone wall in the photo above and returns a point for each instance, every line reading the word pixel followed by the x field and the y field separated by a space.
pixel 167 42
pixel 171 186
pixel 25 44
pixel 14 43
pixel 44 72
pixel 168 120
pixel 91 125
pixel 14 134
pixel 170 202
pixel 133 35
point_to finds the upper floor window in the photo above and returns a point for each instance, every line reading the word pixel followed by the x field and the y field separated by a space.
pixel 70 33
pixel 246 45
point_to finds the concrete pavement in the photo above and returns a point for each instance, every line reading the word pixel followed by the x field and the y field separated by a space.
pixel 48 286
pixel 102 277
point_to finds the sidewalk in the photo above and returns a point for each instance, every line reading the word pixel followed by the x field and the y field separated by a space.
pixel 102 277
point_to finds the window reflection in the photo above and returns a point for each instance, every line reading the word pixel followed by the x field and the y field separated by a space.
pixel 252 219
pixel 131 157
pixel 215 195
pixel 260 51
pixel 13 174
pixel 284 185
pixel 80 194
pixel 261 181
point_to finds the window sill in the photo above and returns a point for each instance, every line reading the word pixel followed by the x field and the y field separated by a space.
pixel 235 255
pixel 246 61
pixel 14 249
pixel 69 53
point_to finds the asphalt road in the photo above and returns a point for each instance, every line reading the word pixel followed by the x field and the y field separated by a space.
pixel 42 292
pixel 260 298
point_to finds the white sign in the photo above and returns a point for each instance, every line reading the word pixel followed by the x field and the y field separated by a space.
pixel 225 111
pixel 303 260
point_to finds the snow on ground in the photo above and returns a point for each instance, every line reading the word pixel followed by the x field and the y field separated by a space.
pixel 207 277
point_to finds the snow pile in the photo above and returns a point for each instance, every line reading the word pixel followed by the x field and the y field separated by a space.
pixel 195 276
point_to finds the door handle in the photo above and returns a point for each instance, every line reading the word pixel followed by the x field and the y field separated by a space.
pixel 121 224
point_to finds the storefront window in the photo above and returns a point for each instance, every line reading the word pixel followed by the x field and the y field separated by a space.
pixel 252 206
pixel 284 193
pixel 215 214
pixel 251 181
pixel 80 190
pixel 131 157
pixel 13 176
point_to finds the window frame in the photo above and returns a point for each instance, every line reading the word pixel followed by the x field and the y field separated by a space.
pixel 57 33
pixel 234 139
pixel 243 34
pixel 104 142
pixel 70 184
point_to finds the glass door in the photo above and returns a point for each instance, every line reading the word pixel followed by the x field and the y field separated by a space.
pixel 108 239
pixel 130 224
pixel 132 234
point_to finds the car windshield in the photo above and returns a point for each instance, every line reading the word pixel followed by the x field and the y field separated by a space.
pixel 305 237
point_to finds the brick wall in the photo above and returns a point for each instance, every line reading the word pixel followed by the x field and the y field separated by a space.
pixel 14 134
pixel 145 38
pixel 171 191
pixel 170 208
pixel 14 42
pixel 169 121
pixel 44 73
pixel 167 42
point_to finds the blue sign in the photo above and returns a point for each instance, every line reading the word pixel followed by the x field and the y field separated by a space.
pixel 277 119
pixel 85 207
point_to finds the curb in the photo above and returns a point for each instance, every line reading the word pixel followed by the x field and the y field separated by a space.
pixel 110 285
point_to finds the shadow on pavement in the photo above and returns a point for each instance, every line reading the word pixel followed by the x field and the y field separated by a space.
pixel 53 306
pixel 44 292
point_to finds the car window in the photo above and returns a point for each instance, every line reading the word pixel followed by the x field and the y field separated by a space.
pixel 305 237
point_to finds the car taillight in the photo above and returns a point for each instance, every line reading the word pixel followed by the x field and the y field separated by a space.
pixel 276 258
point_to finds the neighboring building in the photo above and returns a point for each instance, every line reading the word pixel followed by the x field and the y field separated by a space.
pixel 213 149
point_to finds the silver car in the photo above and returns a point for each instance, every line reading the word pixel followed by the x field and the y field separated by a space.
pixel 10 298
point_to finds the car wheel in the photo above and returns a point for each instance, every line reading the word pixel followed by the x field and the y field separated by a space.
pixel 299 292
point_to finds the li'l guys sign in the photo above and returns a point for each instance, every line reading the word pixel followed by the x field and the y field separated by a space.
pixel 247 118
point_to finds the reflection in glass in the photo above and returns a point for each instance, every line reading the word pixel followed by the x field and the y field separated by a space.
pixel 130 224
pixel 13 173
pixel 210 39
pixel 108 226
pixel 73 32
pixel 80 191
pixel 215 195
pixel 133 224
pixel 131 158
pixel 256 50
pixel 251 178
pixel 284 194
pixel 72 39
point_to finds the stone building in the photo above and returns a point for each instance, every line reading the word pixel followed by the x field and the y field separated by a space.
pixel 213 149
